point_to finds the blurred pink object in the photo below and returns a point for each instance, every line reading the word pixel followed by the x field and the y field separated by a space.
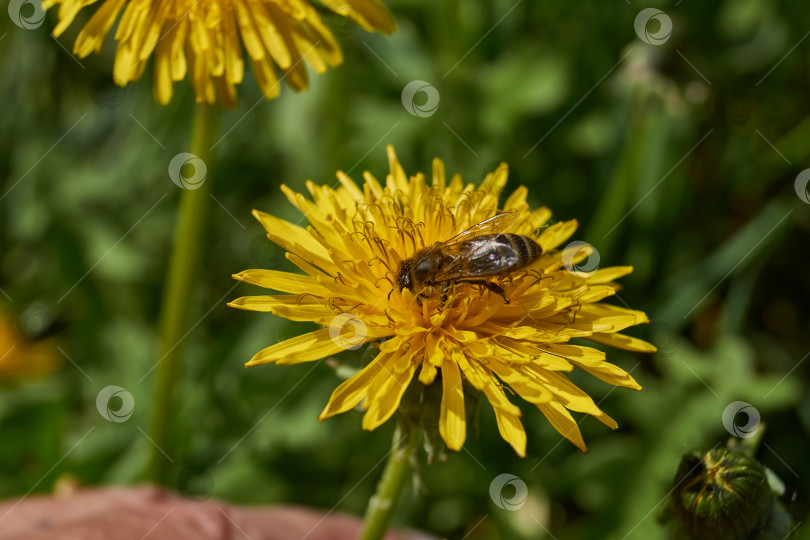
pixel 149 513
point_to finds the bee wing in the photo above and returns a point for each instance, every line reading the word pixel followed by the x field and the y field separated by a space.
pixel 482 256
pixel 453 270
pixel 462 264
pixel 496 224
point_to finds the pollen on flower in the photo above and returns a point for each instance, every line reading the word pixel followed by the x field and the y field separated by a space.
pixel 207 38
pixel 457 320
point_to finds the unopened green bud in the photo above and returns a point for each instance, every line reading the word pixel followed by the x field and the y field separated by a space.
pixel 721 494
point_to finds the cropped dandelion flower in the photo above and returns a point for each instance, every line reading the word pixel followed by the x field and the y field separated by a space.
pixel 206 37
pixel 463 334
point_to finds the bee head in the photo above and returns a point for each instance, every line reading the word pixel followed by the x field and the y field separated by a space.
pixel 404 280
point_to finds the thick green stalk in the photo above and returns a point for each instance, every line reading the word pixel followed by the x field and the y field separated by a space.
pixel 176 314
pixel 384 503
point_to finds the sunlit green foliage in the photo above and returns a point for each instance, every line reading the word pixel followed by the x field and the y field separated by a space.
pixel 663 153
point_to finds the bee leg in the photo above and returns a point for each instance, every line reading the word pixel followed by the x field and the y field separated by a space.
pixel 493 287
pixel 445 286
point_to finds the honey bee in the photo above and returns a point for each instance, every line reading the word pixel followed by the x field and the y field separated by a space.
pixel 474 256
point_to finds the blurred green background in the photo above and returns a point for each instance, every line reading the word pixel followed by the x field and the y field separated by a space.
pixel 678 158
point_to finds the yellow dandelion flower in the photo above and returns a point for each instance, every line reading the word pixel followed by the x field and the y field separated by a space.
pixel 206 38
pixel 22 359
pixel 506 334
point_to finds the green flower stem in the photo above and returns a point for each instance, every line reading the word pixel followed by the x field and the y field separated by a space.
pixel 176 314
pixel 384 503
